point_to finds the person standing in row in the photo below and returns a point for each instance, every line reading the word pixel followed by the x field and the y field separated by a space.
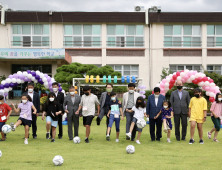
pixel 60 99
pixel 180 100
pixel 129 100
pixel 36 102
pixel 72 102
pixel 87 104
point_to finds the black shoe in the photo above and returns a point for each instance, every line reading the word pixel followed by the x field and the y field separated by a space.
pixel 98 121
pixel 178 139
pixel 191 141
pixel 127 138
pixel 108 138
pixel 53 140
pixel 86 140
pixel 183 139
pixel 70 138
pixel 133 140
pixel 47 135
pixel 158 140
pixel 34 137
pixel 201 141
pixel 50 137
pixel 60 137
pixel 152 140
pixel 2 140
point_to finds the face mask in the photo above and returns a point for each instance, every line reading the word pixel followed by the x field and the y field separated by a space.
pixel 131 91
pixel 30 90
pixel 165 107
pixel 0 102
pixel 87 93
pixel 24 101
pixel 197 95
pixel 109 90
pixel 72 93
pixel 51 99
pixel 156 95
pixel 179 87
pixel 113 98
pixel 55 89
pixel 219 99
pixel 139 103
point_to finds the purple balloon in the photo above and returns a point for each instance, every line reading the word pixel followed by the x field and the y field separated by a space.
pixel 26 79
pixel 37 77
pixel 16 76
pixel 60 89
pixel 15 84
pixel 50 83
pixel 28 71
pixel 46 75
pixel 1 86
pixel 10 76
pixel 40 80
pixel 6 85
pixel 59 84
pixel 6 94
pixel 33 73
pixel 11 85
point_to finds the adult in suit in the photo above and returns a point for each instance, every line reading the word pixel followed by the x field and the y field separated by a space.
pixel 36 102
pixel 154 105
pixel 180 100
pixel 71 105
pixel 129 100
pixel 60 99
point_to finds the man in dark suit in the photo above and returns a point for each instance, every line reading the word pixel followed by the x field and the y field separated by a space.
pixel 154 105
pixel 60 99
pixel 72 102
pixel 36 101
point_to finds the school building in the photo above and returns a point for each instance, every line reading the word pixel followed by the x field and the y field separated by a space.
pixel 134 43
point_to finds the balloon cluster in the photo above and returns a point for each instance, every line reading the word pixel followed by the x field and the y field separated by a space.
pixel 187 76
pixel 27 76
pixel 142 91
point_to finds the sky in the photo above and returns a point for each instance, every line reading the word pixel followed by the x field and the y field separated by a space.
pixel 114 5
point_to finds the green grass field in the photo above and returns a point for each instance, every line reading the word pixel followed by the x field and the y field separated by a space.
pixel 102 154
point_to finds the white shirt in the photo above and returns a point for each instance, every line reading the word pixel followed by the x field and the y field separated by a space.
pixel 156 100
pixel 139 113
pixel 56 93
pixel 31 95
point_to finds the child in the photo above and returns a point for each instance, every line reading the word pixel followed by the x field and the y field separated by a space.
pixel 167 114
pixel 197 114
pixel 87 105
pixel 115 109
pixel 216 112
pixel 25 117
pixel 139 113
pixel 5 112
pixel 52 109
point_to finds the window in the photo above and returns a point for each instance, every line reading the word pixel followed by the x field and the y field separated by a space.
pixel 214 35
pixel 27 35
pixel 127 70
pixel 215 68
pixel 82 35
pixel 125 36
pixel 175 68
pixel 182 35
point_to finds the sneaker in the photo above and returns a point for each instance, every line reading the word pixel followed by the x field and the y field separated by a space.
pixel 137 141
pixel 86 140
pixel 168 140
pixel 117 140
pixel 107 137
pixel 209 135
pixel 12 126
pixel 47 135
pixel 34 137
pixel 98 121
pixel 53 140
pixel 26 142
pixel 128 135
pixel 201 141
pixel 127 138
pixel 191 141
pixel 215 140
pixel 165 130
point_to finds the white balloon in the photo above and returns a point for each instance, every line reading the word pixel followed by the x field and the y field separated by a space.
pixel 29 76
pixel 33 78
pixel 6 90
pixel 197 75
pixel 22 81
pixel 201 84
pixel 179 78
pixel 206 83
pixel 168 79
pixel 25 73
pixel 35 81
pixel 44 79
pixel 47 87
pixel 192 77
pixel 182 74
pixel 189 80
pixel 158 85
pixel 41 75
pixel 174 73
pixel 186 71
pixel 37 72
pixel 212 84
pixel 166 89
pixel 170 76
pixel 46 84
pixel 13 80
pixel 52 80
pixel 10 89
pixel 19 73
pixel 8 80
pixel 166 84
pixel 203 75
pixel 211 94
pixel 217 88
pixel 207 93
pixel 18 81
pixel 3 82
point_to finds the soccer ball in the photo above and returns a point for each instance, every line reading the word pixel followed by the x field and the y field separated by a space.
pixel 58 160
pixel 6 129
pixel 76 140
pixel 141 123
pixel 0 154
pixel 130 149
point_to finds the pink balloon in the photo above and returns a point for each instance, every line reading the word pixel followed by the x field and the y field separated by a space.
pixel 207 88
pixel 212 89
pixel 167 77
pixel 203 87
pixel 183 80
pixel 164 81
pixel 162 89
pixel 162 84
pixel 186 77
pixel 194 72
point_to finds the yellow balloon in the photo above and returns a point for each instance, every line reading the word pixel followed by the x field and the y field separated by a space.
pixel 97 79
pixel 87 79
pixel 91 79
pixel 76 92
pixel 75 87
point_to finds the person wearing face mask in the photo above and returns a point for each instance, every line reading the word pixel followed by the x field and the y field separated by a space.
pixel 180 100
pixel 197 114
pixel 52 109
pixel 129 100
pixel 36 102
pixel 216 116
pixel 25 118
pixel 60 99
pixel 87 104
pixel 72 102
pixel 153 107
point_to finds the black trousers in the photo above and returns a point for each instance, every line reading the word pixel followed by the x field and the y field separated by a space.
pixel 183 118
pixel 34 125
pixel 158 123
pixel 60 126
pixel 129 118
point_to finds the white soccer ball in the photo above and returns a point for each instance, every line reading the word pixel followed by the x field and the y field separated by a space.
pixel 58 160
pixel 0 154
pixel 76 140
pixel 130 149
pixel 6 128
pixel 141 123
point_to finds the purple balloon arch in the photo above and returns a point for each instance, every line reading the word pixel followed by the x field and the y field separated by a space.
pixel 27 76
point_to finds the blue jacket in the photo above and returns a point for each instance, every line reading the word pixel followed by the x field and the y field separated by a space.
pixel 36 100
pixel 151 109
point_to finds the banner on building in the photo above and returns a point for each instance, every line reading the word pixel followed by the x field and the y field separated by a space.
pixel 54 53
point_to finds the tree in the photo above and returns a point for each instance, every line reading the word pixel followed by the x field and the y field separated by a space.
pixel 165 72
pixel 2 78
pixel 216 77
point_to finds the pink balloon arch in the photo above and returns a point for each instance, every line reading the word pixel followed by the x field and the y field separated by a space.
pixel 27 76
pixel 187 76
